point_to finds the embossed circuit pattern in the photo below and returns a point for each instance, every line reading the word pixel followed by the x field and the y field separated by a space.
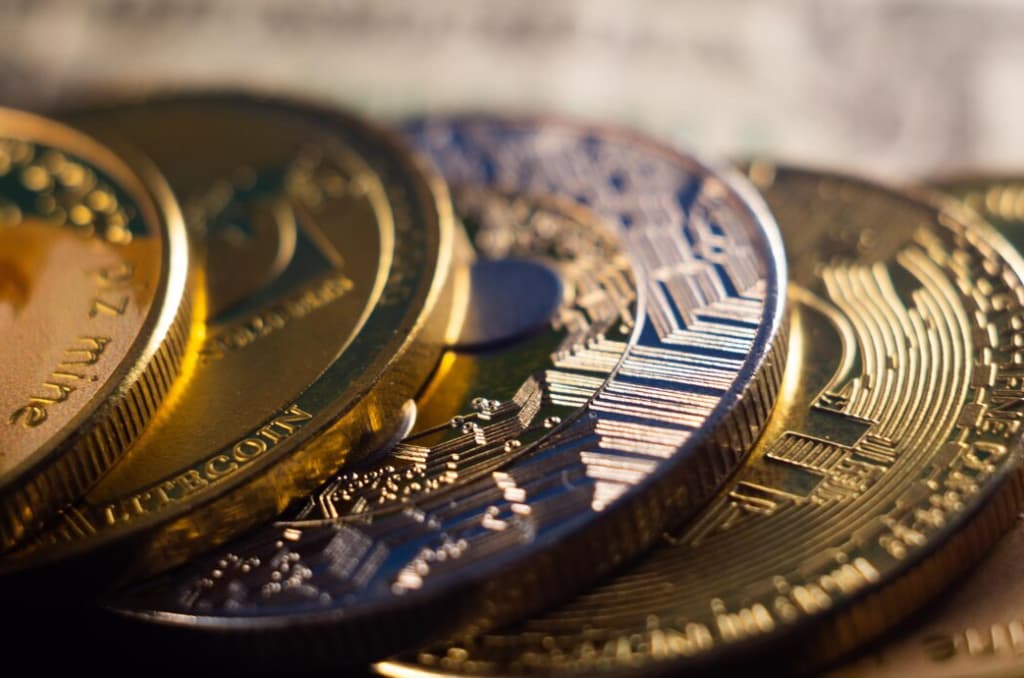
pixel 886 468
pixel 605 407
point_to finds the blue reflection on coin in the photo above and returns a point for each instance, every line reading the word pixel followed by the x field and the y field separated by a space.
pixel 509 509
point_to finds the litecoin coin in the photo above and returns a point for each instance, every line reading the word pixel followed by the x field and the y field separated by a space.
pixel 568 426
pixel 94 313
pixel 328 249
pixel 889 464
pixel 978 628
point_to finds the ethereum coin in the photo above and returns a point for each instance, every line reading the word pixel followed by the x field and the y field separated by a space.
pixel 545 452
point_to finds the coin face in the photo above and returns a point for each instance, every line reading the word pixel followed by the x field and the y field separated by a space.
pixel 977 629
pixel 328 250
pixel 94 313
pixel 883 471
pixel 541 457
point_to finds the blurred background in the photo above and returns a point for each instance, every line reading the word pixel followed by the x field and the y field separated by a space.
pixel 893 88
pixel 897 88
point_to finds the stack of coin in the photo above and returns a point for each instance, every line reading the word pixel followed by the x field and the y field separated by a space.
pixel 489 395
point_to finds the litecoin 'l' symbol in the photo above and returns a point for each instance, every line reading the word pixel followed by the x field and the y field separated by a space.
pixel 273 219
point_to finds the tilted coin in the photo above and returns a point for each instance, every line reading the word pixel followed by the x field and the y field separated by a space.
pixel 328 250
pixel 94 313
pixel 539 462
pixel 889 463
pixel 977 629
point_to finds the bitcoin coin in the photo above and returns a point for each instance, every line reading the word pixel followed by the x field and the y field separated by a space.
pixel 94 313
pixel 329 248
pixel 889 463
pixel 977 629
pixel 539 462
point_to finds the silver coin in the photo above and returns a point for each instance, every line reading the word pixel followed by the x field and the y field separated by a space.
pixel 569 450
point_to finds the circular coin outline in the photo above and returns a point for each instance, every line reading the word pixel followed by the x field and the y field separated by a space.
pixel 673 639
pixel 624 527
pixel 405 335
pixel 92 441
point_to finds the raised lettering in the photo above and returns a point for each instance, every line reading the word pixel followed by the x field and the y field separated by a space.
pixel 216 467
pixel 293 415
pixel 270 320
pixel 219 466
pixel 90 353
pixel 103 307
pixel 247 449
pixel 30 415
pixel 191 480
pixel 61 393
pixel 118 276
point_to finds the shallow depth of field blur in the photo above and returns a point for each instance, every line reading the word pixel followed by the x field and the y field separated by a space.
pixel 891 87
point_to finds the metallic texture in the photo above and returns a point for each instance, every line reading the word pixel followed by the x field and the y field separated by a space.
pixel 999 199
pixel 540 464
pixel 307 349
pixel 94 313
pixel 977 628
pixel 508 299
pixel 890 463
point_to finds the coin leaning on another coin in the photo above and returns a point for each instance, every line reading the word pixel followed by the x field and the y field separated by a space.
pixel 94 313
pixel 573 444
pixel 329 251
pixel 605 311
pixel 889 465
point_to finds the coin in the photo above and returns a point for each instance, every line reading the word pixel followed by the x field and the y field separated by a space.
pixel 977 629
pixel 974 630
pixel 329 249
pixel 888 465
pixel 539 463
pixel 94 313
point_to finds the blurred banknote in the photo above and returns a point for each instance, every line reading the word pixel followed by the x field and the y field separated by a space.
pixel 892 87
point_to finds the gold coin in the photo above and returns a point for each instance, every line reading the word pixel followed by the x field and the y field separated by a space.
pixel 94 313
pixel 888 465
pixel 326 307
pixel 977 628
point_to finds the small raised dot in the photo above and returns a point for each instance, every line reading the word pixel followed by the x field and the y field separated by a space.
pixel 35 178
